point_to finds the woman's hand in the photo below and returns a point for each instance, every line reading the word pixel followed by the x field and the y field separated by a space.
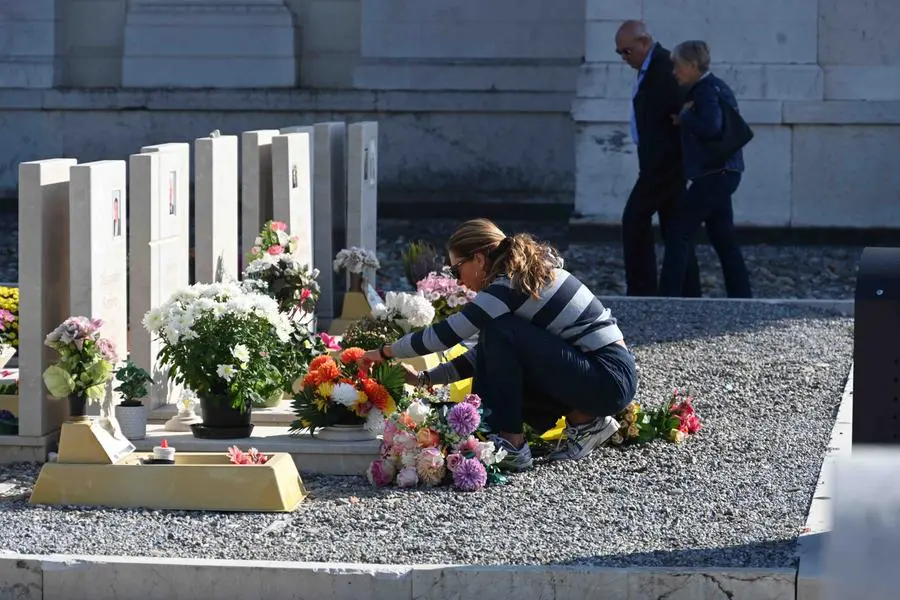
pixel 412 376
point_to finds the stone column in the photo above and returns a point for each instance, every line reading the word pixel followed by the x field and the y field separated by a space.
pixel 209 44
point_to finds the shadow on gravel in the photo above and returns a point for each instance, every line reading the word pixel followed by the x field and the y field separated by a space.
pixel 768 554
pixel 648 322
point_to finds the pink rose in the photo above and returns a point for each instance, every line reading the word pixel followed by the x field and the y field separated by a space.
pixel 305 294
pixel 390 430
pixel 692 422
pixel 428 438
pixel 470 444
pixel 453 461
pixel 381 472
pixel 407 477
pixel 276 250
pixel 406 441
pixel 474 400
pixel 278 226
pixel 255 250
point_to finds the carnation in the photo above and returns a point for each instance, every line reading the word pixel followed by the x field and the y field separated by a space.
pixel 381 472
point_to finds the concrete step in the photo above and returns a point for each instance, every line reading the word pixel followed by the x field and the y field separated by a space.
pixel 311 455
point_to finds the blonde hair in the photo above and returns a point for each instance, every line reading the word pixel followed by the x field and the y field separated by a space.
pixel 694 52
pixel 527 263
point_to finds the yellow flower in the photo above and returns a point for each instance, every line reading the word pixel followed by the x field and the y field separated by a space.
pixel 676 435
pixel 321 403
pixel 633 431
pixel 635 406
pixel 325 390
pixel 361 399
pixel 305 422
pixel 629 417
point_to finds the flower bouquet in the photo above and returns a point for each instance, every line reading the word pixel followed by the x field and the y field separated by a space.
pixel 673 421
pixel 85 363
pixel 343 393
pixel 273 240
pixel 370 332
pixel 7 350
pixel 9 301
pixel 444 293
pixel 437 444
pixel 410 312
pixel 355 260
pixel 218 341
pixel 236 456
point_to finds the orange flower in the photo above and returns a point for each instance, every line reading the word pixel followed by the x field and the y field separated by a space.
pixel 379 396
pixel 352 355
pixel 311 380
pixel 317 361
pixel 328 371
pixel 407 421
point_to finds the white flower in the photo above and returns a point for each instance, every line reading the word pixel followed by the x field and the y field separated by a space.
pixel 226 372
pixel 410 311
pixel 153 320
pixel 418 412
pixel 356 260
pixel 499 455
pixel 409 458
pixel 486 452
pixel 344 394
pixel 257 241
pixel 241 353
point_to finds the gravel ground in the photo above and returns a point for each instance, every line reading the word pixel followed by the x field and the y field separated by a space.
pixel 767 381
pixel 776 271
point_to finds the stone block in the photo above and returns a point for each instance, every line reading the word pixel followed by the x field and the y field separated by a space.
pixel 866 83
pixel 845 175
pixel 216 208
pixel 846 112
pixel 175 191
pixel 29 49
pixel 362 185
pixel 858 33
pixel 861 551
pixel 613 10
pixel 158 257
pixel 195 44
pixel 43 285
pixel 292 188
pixel 400 74
pixel 98 213
pixel 605 170
pixel 329 209
pixel 256 184
pixel 21 579
pixel 333 26
pixel 764 195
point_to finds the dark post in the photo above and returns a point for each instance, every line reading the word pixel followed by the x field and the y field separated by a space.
pixel 876 348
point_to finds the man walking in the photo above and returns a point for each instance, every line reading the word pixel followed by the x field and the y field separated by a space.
pixel 661 183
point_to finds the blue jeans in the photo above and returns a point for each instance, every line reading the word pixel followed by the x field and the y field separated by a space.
pixel 707 200
pixel 525 374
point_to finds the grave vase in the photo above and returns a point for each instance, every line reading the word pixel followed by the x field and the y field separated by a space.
pixel 356 282
pixel 77 405
pixel 355 432
pixel 221 420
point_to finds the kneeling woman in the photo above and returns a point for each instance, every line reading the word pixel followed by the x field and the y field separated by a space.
pixel 546 346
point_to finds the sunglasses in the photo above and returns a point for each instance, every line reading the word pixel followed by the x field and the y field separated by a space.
pixel 454 268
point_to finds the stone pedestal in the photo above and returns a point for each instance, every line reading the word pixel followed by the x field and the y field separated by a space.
pixel 209 44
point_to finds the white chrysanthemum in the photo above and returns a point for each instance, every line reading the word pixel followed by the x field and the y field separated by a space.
pixel 344 394
pixel 241 353
pixel 153 320
pixel 226 372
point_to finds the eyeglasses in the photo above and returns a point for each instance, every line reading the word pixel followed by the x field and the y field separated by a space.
pixel 454 268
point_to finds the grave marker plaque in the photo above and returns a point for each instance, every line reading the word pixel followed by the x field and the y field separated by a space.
pixel 256 184
pixel 216 208
pixel 362 187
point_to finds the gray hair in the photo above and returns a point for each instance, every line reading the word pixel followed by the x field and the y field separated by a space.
pixel 694 52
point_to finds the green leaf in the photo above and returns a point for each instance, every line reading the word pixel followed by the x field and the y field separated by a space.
pixel 58 381
pixel 392 376
pixel 96 392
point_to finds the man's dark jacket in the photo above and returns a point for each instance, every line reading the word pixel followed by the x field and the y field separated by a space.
pixel 658 98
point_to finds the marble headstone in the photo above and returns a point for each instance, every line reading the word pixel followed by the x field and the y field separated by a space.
pixel 98 212
pixel 362 186
pixel 157 258
pixel 256 184
pixel 43 285
pixel 216 208
pixel 175 187
pixel 292 188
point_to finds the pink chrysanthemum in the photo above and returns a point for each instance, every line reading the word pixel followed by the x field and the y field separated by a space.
pixel 470 475
pixel 464 419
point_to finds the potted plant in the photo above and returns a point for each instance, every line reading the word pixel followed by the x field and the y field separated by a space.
pixel 85 363
pixel 218 341
pixel 131 412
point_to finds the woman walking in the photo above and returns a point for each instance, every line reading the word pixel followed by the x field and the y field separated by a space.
pixel 712 179
pixel 546 346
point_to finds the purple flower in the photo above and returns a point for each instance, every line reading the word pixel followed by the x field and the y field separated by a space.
pixel 470 475
pixel 107 349
pixel 474 400
pixel 464 419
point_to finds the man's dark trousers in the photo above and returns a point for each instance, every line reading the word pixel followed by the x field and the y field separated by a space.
pixel 657 194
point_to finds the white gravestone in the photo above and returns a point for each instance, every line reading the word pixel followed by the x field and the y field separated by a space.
pixel 43 286
pixel 175 187
pixel 292 188
pixel 862 548
pixel 362 187
pixel 98 284
pixel 256 184
pixel 216 208
pixel 157 256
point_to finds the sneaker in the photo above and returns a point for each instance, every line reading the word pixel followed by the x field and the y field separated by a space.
pixel 579 440
pixel 516 459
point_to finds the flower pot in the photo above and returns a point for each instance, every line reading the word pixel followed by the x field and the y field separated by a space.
pixel 77 406
pixel 356 282
pixel 346 433
pixel 132 420
pixel 221 420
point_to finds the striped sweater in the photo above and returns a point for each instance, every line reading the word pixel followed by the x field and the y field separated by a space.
pixel 566 308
